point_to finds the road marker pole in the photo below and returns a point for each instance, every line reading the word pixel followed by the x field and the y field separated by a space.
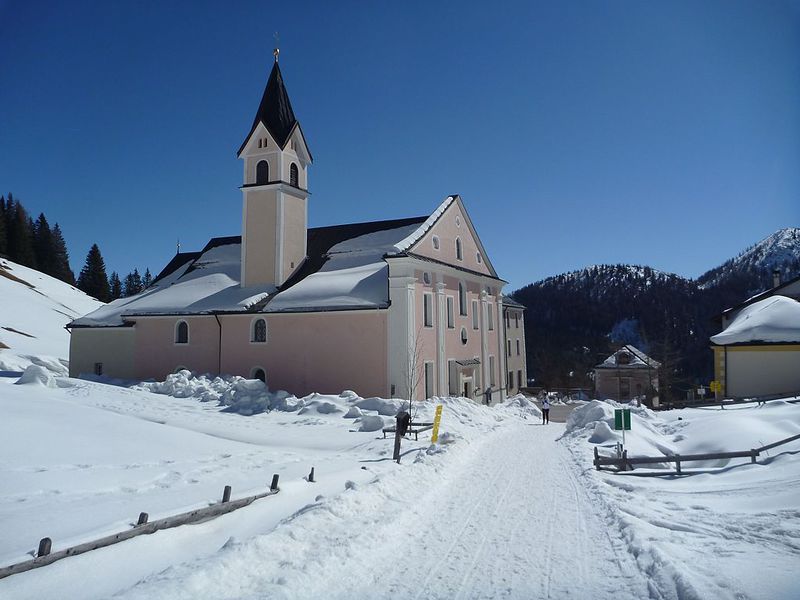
pixel 436 420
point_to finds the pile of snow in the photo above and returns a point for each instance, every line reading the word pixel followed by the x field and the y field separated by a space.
pixel 668 434
pixel 36 375
pixel 700 535
pixel 35 309
pixel 251 397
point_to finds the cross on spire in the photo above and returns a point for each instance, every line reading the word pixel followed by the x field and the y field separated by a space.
pixel 277 49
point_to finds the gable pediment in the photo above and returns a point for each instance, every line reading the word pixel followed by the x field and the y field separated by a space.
pixel 453 233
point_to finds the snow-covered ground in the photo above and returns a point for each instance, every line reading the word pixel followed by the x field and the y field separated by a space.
pixel 34 308
pixel 503 507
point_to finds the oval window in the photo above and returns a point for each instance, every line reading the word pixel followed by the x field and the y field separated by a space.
pixel 435 241
pixel 426 277
pixel 463 336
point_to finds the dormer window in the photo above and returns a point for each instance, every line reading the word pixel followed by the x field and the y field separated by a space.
pixel 294 176
pixel 262 172
pixel 459 254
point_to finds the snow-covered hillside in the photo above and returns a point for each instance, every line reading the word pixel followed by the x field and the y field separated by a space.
pixel 780 251
pixel 502 507
pixel 34 308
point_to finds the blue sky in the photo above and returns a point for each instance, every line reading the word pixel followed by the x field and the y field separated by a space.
pixel 577 133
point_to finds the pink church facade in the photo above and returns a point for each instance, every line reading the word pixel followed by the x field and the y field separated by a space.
pixel 409 308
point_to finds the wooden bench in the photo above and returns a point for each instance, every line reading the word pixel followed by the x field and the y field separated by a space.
pixel 415 428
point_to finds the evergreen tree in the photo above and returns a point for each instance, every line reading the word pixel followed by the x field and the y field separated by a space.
pixel 147 280
pixel 133 283
pixel 61 268
pixel 43 245
pixel 3 229
pixel 93 279
pixel 116 286
pixel 20 235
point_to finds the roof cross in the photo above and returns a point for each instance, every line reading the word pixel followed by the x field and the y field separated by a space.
pixel 277 49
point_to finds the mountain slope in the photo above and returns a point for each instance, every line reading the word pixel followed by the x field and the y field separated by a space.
pixel 34 308
pixel 574 319
pixel 780 251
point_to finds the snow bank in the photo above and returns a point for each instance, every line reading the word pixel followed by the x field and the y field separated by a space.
pixel 36 375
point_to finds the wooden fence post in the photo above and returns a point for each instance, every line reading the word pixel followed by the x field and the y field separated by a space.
pixel 143 516
pixel 226 494
pixel 596 458
pixel 753 454
pixel 678 464
pixel 44 546
pixel 311 476
pixel 274 485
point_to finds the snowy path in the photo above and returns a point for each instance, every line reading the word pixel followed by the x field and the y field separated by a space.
pixel 514 523
pixel 507 520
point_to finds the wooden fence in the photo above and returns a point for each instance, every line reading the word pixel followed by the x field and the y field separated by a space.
pixel 625 462
pixel 142 527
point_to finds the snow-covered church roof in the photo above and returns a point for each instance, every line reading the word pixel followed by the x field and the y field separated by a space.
pixel 773 320
pixel 345 269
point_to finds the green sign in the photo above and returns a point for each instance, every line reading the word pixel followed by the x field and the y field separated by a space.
pixel 622 419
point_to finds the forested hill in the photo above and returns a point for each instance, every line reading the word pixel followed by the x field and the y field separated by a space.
pixel 574 320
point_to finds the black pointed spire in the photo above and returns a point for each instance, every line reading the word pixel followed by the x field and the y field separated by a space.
pixel 275 110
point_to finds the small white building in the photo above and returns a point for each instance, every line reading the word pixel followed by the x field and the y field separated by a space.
pixel 758 353
pixel 628 373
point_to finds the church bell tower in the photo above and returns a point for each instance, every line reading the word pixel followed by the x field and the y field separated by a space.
pixel 275 189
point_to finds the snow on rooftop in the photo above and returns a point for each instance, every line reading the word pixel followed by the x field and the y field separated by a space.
pixel 774 319
pixel 415 235
pixel 210 283
pixel 354 276
pixel 637 358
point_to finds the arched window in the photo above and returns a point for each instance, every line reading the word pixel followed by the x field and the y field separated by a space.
pixel 259 331
pixel 258 373
pixel 462 299
pixel 459 254
pixel 294 178
pixel 262 172
pixel 182 332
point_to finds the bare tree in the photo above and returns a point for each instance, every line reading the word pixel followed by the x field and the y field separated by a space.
pixel 413 375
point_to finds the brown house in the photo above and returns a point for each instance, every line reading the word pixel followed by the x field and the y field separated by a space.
pixel 627 374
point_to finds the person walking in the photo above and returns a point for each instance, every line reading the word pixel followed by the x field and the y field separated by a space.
pixel 545 410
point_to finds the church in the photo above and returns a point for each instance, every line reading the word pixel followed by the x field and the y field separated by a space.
pixel 408 307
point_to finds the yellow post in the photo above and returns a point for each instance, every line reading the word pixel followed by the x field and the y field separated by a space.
pixel 436 420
